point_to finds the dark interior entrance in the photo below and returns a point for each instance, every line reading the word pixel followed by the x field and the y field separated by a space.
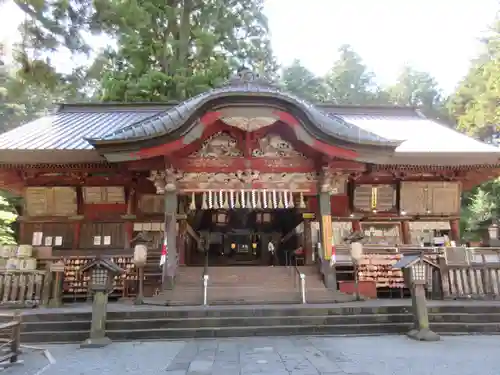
pixel 240 237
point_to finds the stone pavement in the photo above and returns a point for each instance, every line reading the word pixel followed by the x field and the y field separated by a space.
pixel 387 355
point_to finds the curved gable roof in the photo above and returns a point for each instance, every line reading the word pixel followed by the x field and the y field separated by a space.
pixel 168 121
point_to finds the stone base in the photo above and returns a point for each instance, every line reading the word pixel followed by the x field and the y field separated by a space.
pixel 96 343
pixel 423 335
pixel 139 301
pixel 54 303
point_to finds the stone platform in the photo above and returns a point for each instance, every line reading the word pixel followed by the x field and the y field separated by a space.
pixel 375 317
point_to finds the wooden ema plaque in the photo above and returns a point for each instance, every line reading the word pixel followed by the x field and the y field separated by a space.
pixel 54 201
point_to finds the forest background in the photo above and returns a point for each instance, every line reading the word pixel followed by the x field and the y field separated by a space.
pixel 174 49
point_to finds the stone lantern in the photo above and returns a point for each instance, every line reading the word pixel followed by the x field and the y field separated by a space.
pixel 356 252
pixel 415 272
pixel 102 273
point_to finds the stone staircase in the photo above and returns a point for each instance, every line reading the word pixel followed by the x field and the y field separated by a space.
pixel 316 292
pixel 361 318
pixel 188 289
pixel 251 285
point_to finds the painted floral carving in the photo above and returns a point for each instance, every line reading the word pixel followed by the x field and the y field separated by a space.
pixel 218 145
pixel 273 146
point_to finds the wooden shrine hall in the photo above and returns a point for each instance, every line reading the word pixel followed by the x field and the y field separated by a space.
pixel 229 171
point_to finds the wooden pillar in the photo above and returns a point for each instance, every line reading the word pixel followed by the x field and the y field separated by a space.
pixel 455 230
pixel 328 271
pixel 170 266
pixel 181 237
pixel 405 232
pixel 307 244
pixel 77 225
pixel 129 225
pixel 356 226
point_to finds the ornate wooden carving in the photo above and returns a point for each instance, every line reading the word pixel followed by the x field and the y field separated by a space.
pixel 382 233
pixel 332 182
pixel 374 198
pixel 219 145
pixel 248 179
pixel 274 146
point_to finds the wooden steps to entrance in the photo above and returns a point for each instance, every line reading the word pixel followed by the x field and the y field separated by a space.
pixel 246 285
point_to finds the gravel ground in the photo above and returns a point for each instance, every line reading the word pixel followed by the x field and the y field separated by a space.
pixel 387 355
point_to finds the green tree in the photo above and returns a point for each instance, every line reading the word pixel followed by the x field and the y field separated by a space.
pixel 300 81
pixel 176 49
pixel 349 81
pixel 475 105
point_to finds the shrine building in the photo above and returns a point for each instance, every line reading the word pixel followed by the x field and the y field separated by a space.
pixel 227 172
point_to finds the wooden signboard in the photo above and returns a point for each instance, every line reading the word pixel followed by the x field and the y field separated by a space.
pixel 430 198
pixel 368 198
pixel 152 204
pixel 53 201
pixel 104 194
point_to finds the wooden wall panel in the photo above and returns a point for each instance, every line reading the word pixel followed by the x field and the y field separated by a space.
pixel 56 235
pixel 102 235
pixel 436 198
pixel 103 194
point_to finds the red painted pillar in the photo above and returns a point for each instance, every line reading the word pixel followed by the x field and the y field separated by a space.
pixel 455 230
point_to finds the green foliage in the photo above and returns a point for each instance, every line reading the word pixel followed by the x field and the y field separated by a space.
pixel 349 81
pixel 476 102
pixel 7 217
pixel 300 81
pixel 176 49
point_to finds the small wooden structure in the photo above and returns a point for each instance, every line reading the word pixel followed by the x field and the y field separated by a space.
pixel 10 339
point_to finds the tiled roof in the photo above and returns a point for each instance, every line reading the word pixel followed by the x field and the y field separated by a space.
pixel 174 117
pixel 68 128
pixel 418 133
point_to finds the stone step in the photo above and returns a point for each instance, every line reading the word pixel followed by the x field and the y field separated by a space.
pixel 302 328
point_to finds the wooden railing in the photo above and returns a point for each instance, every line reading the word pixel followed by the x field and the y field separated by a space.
pixel 10 339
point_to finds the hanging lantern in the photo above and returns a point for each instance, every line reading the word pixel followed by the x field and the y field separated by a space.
pixel 192 205
pixel 302 203
pixel 270 200
pixel 275 199
pixel 237 203
pixel 280 199
pixel 243 203
pixel 249 200
pixel 291 203
pixel 210 200
pixel 204 205
pixel 225 200
pixel 257 201
pixel 231 198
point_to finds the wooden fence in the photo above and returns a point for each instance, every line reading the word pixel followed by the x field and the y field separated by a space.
pixel 470 273
pixel 10 339
pixel 24 288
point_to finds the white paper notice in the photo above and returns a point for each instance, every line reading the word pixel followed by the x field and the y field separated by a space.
pixel 97 240
pixel 48 241
pixel 37 239
pixel 107 240
pixel 58 241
